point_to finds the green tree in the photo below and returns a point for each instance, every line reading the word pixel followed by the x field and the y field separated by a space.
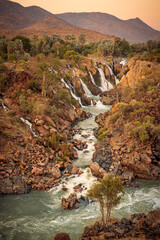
pixel 125 47
pixel 72 55
pixel 106 47
pixel 82 38
pixel 108 194
pixel 16 48
pixel 3 47
pixel 150 45
pixel 70 38
pixel 26 42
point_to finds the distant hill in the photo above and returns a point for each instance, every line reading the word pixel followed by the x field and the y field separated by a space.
pixel 15 16
pixel 48 23
pixel 133 30
pixel 16 19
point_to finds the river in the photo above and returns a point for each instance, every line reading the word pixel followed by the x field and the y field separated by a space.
pixel 39 215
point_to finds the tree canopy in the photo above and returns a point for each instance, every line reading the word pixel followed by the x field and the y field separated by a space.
pixel 108 194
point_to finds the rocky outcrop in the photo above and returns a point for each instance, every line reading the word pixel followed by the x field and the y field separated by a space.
pixel 137 226
pixel 138 70
pixel 16 185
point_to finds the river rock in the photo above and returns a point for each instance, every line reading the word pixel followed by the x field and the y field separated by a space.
pixel 103 157
pixel 97 170
pixel 16 185
pixel 71 169
pixel 69 203
pixel 62 236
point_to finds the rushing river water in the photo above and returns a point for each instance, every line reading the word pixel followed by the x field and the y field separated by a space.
pixel 39 215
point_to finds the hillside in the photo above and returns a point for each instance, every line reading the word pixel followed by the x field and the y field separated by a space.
pixel 48 23
pixel 28 21
pixel 91 36
pixel 15 16
pixel 133 30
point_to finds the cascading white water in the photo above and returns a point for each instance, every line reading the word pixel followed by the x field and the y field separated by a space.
pixel 123 61
pixel 110 70
pixel 105 85
pixel 85 89
pixel 72 93
pixel 51 70
pixel 92 78
pixel 4 107
pixel 74 73
pixel 117 80
pixel 112 74
pixel 35 134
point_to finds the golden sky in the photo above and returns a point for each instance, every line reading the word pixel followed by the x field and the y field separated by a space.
pixel 147 10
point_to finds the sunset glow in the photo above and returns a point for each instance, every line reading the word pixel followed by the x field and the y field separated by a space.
pixel 146 10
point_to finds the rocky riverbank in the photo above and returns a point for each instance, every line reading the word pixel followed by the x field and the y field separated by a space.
pixel 138 226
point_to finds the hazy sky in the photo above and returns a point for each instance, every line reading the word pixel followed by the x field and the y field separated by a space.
pixel 146 10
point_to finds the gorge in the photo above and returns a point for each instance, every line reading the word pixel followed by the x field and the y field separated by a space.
pixel 45 165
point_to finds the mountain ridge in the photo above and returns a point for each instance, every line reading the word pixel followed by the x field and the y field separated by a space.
pixel 134 30
pixel 14 16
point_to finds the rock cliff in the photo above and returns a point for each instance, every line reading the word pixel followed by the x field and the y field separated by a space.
pixel 129 134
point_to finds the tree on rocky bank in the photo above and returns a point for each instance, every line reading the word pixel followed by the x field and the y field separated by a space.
pixel 108 194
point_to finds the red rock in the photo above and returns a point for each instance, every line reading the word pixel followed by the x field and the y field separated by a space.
pixel 66 174
pixel 62 236
pixel 74 169
pixel 97 170
pixel 2 158
pixel 145 159
pixel 57 180
pixel 9 171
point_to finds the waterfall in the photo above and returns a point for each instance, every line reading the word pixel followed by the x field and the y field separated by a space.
pixel 117 80
pixel 110 70
pixel 123 61
pixel 35 134
pixel 74 73
pixel 92 78
pixel 85 89
pixel 112 74
pixel 51 70
pixel 4 107
pixel 105 85
pixel 72 93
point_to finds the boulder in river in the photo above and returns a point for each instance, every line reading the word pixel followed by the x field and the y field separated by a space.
pixel 62 236
pixel 70 202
